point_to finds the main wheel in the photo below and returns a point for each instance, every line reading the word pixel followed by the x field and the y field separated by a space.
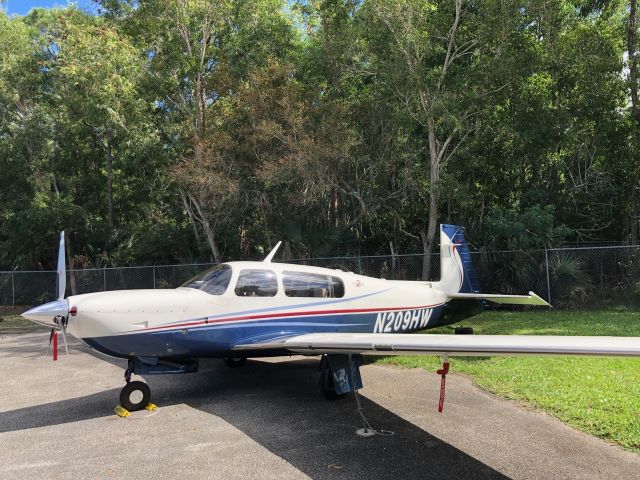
pixel 135 396
pixel 327 386
pixel 464 331
pixel 235 362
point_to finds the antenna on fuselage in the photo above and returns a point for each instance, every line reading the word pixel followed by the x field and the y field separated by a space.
pixel 272 253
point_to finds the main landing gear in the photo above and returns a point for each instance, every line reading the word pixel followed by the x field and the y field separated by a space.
pixel 325 382
pixel 235 362
pixel 463 331
pixel 339 375
pixel 134 395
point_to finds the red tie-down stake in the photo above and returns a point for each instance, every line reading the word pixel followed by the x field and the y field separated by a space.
pixel 53 339
pixel 443 380
pixel 55 346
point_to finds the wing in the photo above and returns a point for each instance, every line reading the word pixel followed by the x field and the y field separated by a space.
pixel 474 345
pixel 531 299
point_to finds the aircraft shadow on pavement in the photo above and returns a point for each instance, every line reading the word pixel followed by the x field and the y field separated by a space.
pixel 279 406
pixel 28 345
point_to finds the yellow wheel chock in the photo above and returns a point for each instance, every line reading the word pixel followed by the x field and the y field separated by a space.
pixel 121 411
pixel 124 413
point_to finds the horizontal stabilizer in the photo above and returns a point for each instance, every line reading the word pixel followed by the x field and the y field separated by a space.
pixel 475 345
pixel 531 299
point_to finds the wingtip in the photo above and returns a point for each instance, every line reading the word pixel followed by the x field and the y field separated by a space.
pixel 541 301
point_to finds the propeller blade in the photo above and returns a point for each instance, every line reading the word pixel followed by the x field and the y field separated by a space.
pixel 64 338
pixel 50 339
pixel 62 270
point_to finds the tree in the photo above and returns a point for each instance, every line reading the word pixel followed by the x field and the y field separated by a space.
pixel 98 82
pixel 26 209
pixel 633 58
pixel 199 51
pixel 438 56
pixel 337 125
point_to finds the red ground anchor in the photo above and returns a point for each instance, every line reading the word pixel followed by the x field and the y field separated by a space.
pixel 443 372
pixel 55 346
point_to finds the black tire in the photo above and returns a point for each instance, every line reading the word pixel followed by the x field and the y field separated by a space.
pixel 235 362
pixel 327 387
pixel 130 390
pixel 464 331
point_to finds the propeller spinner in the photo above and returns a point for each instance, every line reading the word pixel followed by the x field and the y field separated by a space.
pixel 54 314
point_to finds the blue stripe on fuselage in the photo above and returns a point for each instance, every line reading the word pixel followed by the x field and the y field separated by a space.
pixel 217 340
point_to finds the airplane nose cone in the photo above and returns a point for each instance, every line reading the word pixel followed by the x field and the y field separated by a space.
pixel 44 314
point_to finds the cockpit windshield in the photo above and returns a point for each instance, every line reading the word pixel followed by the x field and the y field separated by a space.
pixel 213 281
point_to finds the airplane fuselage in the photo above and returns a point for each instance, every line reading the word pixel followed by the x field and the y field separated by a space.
pixel 189 322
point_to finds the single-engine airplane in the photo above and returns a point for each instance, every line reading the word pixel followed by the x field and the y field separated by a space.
pixel 238 310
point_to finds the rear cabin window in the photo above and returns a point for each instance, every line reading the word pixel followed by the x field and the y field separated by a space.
pixel 302 284
pixel 256 283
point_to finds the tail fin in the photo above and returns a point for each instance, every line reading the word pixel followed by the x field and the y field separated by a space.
pixel 456 270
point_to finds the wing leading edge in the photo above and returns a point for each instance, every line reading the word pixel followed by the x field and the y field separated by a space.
pixel 460 345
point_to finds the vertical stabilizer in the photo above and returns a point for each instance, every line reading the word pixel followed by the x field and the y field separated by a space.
pixel 457 273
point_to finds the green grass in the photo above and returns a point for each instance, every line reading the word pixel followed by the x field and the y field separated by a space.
pixel 598 395
pixel 17 324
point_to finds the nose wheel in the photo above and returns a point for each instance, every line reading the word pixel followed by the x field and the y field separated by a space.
pixel 135 396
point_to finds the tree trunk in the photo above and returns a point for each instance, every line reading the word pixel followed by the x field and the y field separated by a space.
pixel 109 162
pixel 633 59
pixel 426 256
pixel 191 216
pixel 209 230
pixel 72 273
pixel 394 265
pixel 635 107
pixel 211 239
pixel 434 197
pixel 635 224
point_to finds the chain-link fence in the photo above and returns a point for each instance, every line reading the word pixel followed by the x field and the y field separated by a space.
pixel 593 277
pixel 35 287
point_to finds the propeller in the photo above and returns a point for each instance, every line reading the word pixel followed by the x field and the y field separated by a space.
pixel 55 314
pixel 61 287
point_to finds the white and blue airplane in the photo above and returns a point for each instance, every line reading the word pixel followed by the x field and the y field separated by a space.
pixel 238 310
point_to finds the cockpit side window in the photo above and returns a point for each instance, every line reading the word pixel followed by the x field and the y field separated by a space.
pixel 214 281
pixel 303 284
pixel 257 283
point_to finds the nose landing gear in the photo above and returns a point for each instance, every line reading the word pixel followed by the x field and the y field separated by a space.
pixel 134 395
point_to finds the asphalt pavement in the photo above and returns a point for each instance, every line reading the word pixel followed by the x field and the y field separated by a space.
pixel 267 420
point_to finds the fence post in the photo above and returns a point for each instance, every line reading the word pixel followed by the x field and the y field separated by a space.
pixel 13 291
pixel 154 276
pixel 104 278
pixel 546 263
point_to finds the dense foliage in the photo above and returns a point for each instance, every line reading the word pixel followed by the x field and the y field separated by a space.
pixel 168 130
